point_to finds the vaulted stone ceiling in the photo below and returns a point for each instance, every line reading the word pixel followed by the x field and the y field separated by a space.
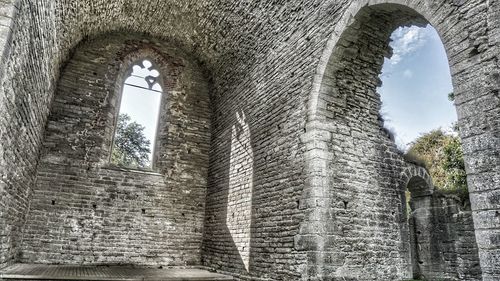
pixel 214 31
pixel 262 56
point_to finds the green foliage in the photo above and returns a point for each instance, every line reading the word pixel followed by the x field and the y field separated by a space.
pixel 451 96
pixel 454 165
pixel 442 155
pixel 131 148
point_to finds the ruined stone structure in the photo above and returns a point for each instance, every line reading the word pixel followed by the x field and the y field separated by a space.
pixel 272 160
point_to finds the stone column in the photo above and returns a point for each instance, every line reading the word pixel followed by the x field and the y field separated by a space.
pixel 479 115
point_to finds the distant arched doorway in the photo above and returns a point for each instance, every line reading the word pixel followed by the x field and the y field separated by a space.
pixel 418 210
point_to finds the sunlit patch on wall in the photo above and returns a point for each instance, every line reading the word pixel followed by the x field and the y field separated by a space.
pixel 239 206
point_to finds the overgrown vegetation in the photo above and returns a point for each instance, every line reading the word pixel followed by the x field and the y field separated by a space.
pixel 441 154
pixel 131 148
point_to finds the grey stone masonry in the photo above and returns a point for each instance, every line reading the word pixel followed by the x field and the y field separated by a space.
pixel 84 210
pixel 273 162
pixel 437 230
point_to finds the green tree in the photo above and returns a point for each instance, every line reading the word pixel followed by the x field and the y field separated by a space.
pixel 131 148
pixel 442 155
pixel 454 165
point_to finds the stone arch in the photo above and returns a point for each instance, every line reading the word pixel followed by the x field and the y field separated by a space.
pixel 415 223
pixel 326 114
pixel 416 176
pixel 420 7
pixel 417 181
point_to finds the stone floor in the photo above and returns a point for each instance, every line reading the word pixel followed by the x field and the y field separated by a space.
pixel 94 273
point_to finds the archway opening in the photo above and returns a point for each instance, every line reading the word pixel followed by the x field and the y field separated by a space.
pixel 417 107
pixel 416 86
pixel 365 163
pixel 419 220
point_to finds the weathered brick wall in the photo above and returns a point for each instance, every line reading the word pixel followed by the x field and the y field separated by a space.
pixel 8 11
pixel 26 84
pixel 272 95
pixel 438 231
pixel 264 59
pixel 255 183
pixel 480 131
pixel 7 250
pixel 360 199
pixel 343 102
pixel 83 211
pixel 456 249
pixel 467 262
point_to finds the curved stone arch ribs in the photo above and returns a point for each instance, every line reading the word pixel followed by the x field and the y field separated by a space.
pixel 412 179
pixel 409 174
pixel 463 29
pixel 345 21
pixel 415 171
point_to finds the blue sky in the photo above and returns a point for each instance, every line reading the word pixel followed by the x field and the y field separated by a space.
pixel 416 84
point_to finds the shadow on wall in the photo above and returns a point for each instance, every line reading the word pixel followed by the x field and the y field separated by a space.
pixel 247 233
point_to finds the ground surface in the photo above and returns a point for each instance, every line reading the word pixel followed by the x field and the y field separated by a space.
pixel 65 272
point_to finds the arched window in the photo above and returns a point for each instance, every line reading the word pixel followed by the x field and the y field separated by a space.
pixel 137 119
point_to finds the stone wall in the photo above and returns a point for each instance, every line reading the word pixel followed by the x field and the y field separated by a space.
pixel 266 61
pixel 444 244
pixel 255 183
pixel 8 11
pixel 437 230
pixel 457 248
pixel 343 102
pixel 85 211
pixel 360 202
pixel 26 86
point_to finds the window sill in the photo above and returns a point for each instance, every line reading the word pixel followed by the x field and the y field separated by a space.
pixel 131 170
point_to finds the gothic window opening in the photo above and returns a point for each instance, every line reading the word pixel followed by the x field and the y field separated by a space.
pixel 137 121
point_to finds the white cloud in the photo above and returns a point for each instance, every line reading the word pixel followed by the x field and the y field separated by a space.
pixel 405 41
pixel 408 73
